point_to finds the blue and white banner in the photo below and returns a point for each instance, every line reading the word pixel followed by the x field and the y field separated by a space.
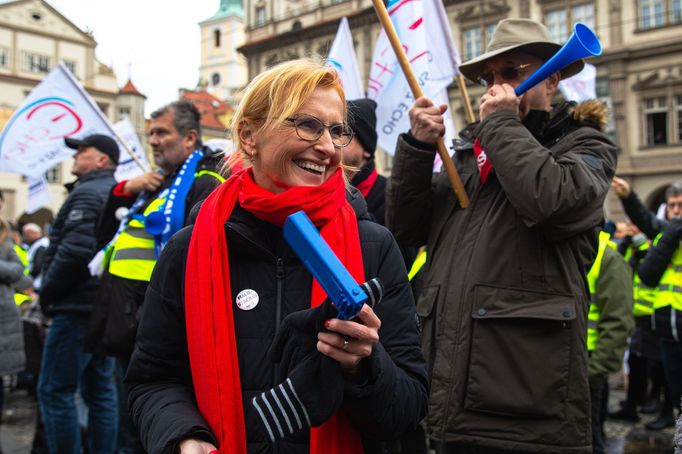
pixel 32 141
pixel 38 194
pixel 127 167
pixel 342 58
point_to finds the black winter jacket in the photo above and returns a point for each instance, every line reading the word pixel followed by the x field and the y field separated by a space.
pixel 659 255
pixel 67 284
pixel 161 398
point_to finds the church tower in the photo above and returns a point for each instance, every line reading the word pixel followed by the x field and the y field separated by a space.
pixel 223 70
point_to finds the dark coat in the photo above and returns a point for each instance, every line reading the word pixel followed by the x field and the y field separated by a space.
pixel 505 298
pixel 11 333
pixel 376 197
pixel 161 398
pixel 67 284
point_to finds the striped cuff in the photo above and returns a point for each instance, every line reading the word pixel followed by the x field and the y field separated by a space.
pixel 281 411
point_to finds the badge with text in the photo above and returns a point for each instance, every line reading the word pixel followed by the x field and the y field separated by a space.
pixel 247 299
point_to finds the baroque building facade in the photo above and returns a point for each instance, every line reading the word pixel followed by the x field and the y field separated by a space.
pixel 34 38
pixel 222 71
pixel 639 73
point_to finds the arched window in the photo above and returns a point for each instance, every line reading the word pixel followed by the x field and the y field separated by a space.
pixel 216 38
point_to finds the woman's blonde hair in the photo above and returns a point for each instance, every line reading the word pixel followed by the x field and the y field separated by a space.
pixel 278 93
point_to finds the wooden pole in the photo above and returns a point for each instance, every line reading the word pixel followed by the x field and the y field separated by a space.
pixel 461 83
pixel 386 23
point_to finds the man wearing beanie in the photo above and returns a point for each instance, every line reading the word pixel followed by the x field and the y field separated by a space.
pixel 360 154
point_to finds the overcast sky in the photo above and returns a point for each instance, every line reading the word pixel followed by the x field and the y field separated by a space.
pixel 159 38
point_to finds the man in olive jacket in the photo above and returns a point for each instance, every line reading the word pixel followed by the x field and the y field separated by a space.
pixel 505 297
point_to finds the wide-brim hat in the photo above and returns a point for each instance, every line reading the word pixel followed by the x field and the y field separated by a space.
pixel 522 35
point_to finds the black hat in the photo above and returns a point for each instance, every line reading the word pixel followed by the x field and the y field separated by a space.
pixel 362 119
pixel 103 143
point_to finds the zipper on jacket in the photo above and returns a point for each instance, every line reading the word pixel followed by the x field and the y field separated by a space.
pixel 279 275
pixel 280 286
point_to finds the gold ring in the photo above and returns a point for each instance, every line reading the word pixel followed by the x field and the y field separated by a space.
pixel 346 342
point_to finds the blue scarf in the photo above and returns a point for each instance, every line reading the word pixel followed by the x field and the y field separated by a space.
pixel 171 216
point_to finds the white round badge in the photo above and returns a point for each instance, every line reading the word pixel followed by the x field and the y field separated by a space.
pixel 247 299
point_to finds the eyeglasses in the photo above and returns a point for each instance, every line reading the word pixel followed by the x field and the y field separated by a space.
pixel 310 128
pixel 508 74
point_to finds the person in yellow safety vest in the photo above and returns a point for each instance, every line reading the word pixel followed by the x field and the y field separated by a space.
pixel 662 269
pixel 138 219
pixel 643 353
pixel 22 289
pixel 609 323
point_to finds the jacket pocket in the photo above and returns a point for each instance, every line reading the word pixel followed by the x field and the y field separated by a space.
pixel 426 311
pixel 520 352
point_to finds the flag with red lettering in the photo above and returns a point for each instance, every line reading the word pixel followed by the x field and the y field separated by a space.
pixel 32 141
pixel 424 32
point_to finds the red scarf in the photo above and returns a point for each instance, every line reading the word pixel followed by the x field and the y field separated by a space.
pixel 208 299
pixel 368 183
pixel 482 161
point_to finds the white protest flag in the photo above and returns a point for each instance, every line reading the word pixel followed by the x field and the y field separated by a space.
pixel 127 167
pixel 342 58
pixel 38 194
pixel 582 86
pixel 422 26
pixel 33 139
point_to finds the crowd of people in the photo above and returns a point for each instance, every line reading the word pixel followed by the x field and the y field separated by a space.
pixel 179 319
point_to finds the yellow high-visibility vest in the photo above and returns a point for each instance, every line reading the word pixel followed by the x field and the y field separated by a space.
pixel 133 255
pixel 669 288
pixel 593 314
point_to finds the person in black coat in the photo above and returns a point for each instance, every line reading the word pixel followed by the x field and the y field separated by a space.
pixel 66 294
pixel 238 349
pixel 662 259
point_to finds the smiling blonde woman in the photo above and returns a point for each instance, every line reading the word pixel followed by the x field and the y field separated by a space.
pixel 202 377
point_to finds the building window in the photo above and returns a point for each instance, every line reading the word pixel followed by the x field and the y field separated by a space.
pixel 54 175
pixel 260 16
pixel 557 23
pixel 123 112
pixel 216 38
pixel 560 21
pixel 656 120
pixel 472 43
pixel 4 57
pixel 34 63
pixel 475 39
pixel 678 111
pixel 584 14
pixel 658 13
pixel 676 11
pixel 71 65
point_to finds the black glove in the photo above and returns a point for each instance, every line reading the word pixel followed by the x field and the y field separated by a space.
pixel 297 335
pixel 309 396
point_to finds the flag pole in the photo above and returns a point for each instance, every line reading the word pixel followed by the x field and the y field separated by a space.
pixel 129 150
pixel 96 108
pixel 386 23
pixel 461 83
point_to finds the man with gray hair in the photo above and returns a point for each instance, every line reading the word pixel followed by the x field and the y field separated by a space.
pixel 135 224
pixel 505 297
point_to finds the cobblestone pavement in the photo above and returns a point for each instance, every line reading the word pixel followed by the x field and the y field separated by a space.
pixel 18 422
